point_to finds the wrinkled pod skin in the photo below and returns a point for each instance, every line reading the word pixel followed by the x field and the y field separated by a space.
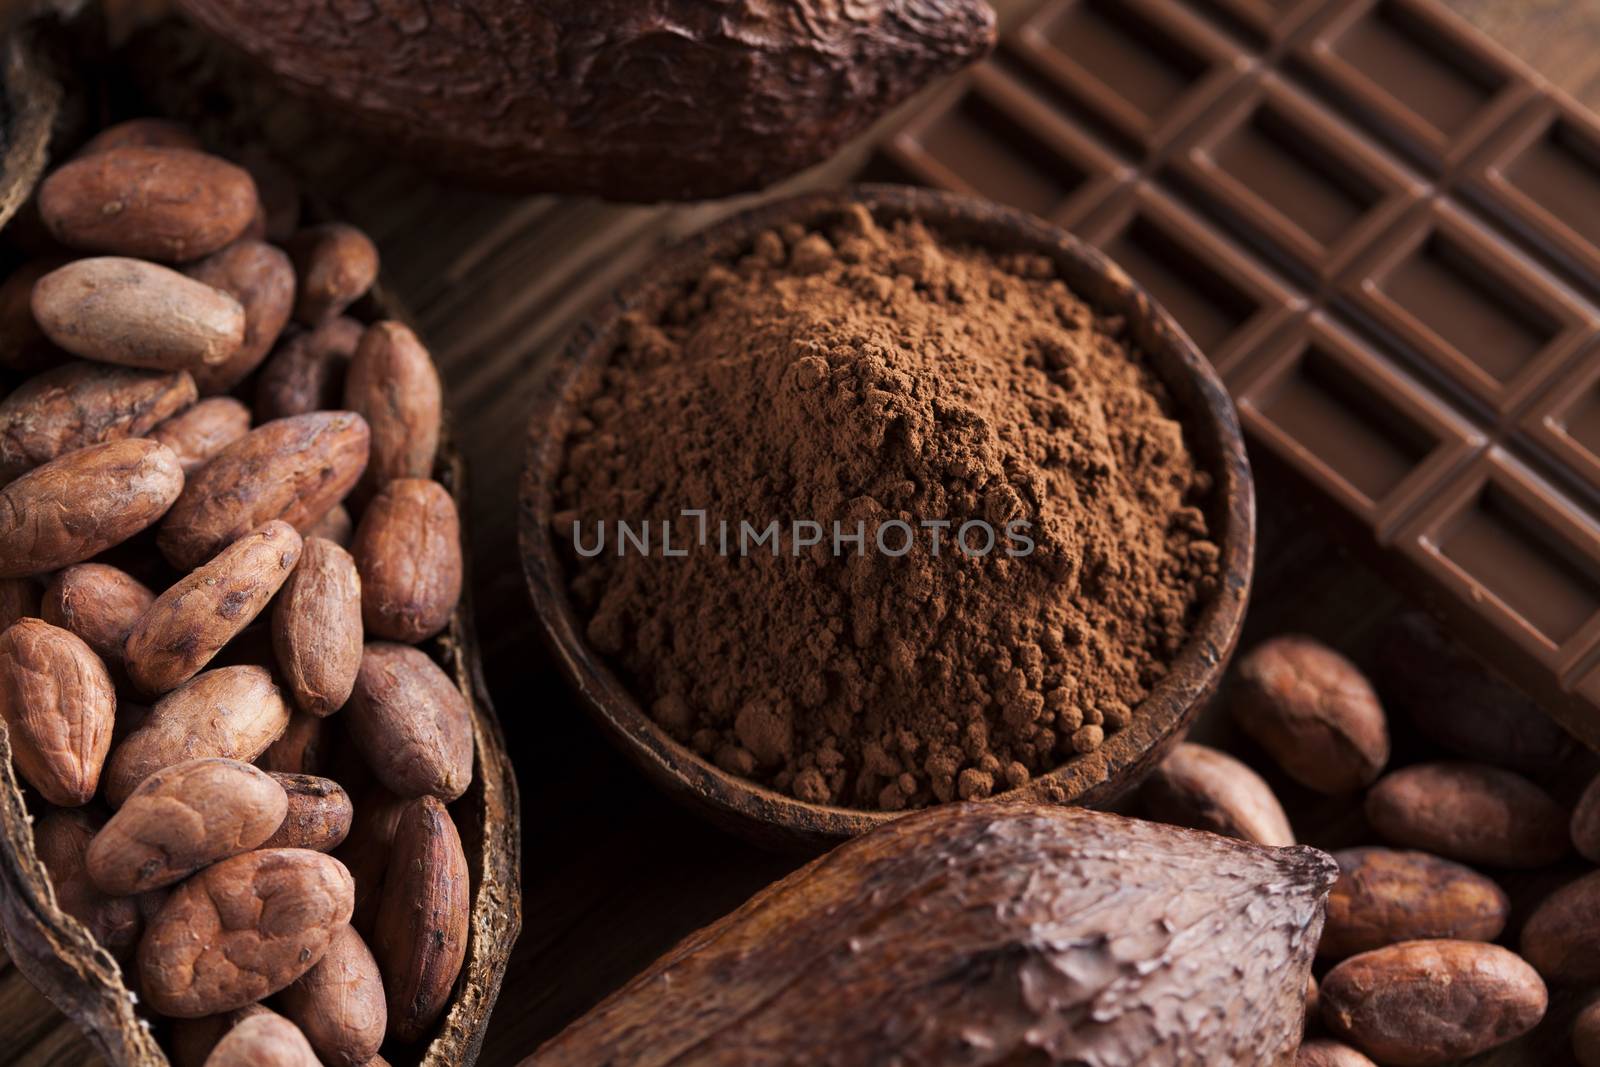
pixel 667 100
pixel 978 934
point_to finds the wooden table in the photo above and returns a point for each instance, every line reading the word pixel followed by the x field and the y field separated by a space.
pixel 613 873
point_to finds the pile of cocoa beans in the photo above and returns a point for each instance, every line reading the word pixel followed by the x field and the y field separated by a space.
pixel 220 542
pixel 1413 975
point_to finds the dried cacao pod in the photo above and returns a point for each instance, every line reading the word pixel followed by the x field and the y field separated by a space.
pixel 1000 927
pixel 671 100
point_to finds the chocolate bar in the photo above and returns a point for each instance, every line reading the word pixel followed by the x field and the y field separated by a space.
pixel 1383 231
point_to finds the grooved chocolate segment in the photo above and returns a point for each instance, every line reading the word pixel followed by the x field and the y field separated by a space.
pixel 1413 73
pixel 1385 233
pixel 1205 305
pixel 1565 421
pixel 1280 165
pixel 1470 307
pixel 1146 66
pixel 1295 175
pixel 1562 167
pixel 1400 58
pixel 1581 420
pixel 1332 413
pixel 1350 420
pixel 1458 298
pixel 1502 545
pixel 1578 416
pixel 1511 562
pixel 997 140
pixel 988 150
pixel 1221 299
pixel 1271 20
pixel 1540 178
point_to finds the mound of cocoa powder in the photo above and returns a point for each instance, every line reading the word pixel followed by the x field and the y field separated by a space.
pixel 858 374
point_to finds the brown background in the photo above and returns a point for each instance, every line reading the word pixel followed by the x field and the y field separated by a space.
pixel 613 874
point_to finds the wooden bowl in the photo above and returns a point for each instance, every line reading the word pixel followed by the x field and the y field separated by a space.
pixel 777 820
pixel 52 949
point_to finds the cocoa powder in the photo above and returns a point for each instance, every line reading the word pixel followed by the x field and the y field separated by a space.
pixel 857 374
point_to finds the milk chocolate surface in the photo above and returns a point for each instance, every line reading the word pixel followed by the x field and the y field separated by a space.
pixel 1384 232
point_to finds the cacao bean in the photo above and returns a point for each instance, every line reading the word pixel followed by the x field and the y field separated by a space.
pixel 299 750
pixel 407 549
pixel 307 372
pixel 242 929
pixel 318 815
pixel 59 706
pixel 81 404
pixel 23 346
pixel 293 469
pixel 261 279
pixel 317 630
pixel 263 1040
pixel 1586 1036
pixel 232 712
pixel 61 838
pixel 163 203
pixel 336 264
pixel 1384 896
pixel 204 430
pixel 1320 1052
pixel 1421 1003
pixel 137 314
pixel 1313 711
pixel 367 848
pixel 393 384
pixel 1205 789
pixel 1585 824
pixel 410 721
pixel 1561 938
pixel 99 603
pixel 339 1003
pixel 182 818
pixel 420 934
pixel 78 506
pixel 336 526
pixel 190 622
pixel 1471 813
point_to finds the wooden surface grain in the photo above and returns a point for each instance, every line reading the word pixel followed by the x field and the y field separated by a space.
pixel 613 874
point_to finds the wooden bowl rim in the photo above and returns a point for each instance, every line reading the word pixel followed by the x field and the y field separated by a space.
pixel 763 814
